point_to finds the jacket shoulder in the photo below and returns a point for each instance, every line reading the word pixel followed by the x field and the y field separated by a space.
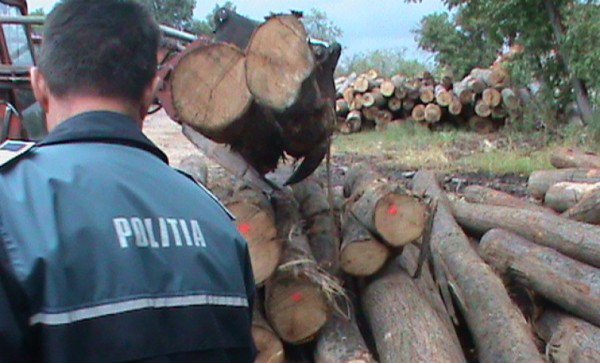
pixel 11 151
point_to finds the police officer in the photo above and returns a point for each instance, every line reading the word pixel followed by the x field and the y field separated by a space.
pixel 106 253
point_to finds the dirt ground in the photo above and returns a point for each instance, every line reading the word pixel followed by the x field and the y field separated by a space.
pixel 168 136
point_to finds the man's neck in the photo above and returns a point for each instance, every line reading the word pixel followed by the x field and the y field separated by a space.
pixel 64 108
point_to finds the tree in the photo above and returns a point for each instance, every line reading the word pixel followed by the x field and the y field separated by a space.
pixel 319 26
pixel 457 48
pixel 207 25
pixel 175 13
pixel 386 61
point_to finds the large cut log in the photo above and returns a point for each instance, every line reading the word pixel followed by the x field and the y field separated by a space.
pixel 587 210
pixel 384 208
pixel 388 88
pixel 279 63
pixel 295 303
pixel 395 104
pixel 323 236
pixel 255 220
pixel 427 95
pixel 483 195
pixel 342 107
pixel 268 344
pixel 463 92
pixel 500 331
pixel 374 98
pixel 442 96
pixel 361 254
pixel 362 84
pixel 433 113
pixel 563 158
pixel 405 326
pixel 578 240
pixel 482 109
pixel 455 107
pixel 354 121
pixel 349 95
pixel 568 339
pixel 408 105
pixel 491 97
pixel 340 341
pixel 476 85
pixel 210 93
pixel 562 196
pixel 418 113
pixel 540 181
pixel 491 77
pixel 570 284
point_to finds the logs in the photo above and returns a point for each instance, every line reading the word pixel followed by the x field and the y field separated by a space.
pixel 341 342
pixel 541 181
pixel 382 207
pixel 568 339
pixel 577 240
pixel 268 344
pixel 279 62
pixel 562 196
pixel 563 158
pixel 483 195
pixel 255 220
pixel 406 328
pixel 211 95
pixel 571 284
pixel 294 301
pixel 588 208
pixel 433 113
pixel 499 329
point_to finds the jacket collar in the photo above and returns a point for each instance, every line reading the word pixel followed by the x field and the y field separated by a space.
pixel 104 127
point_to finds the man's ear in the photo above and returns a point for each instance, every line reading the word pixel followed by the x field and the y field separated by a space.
pixel 40 88
pixel 148 97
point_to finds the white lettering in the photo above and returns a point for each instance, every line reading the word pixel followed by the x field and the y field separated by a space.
pixel 150 231
pixel 197 232
pixel 141 239
pixel 164 232
pixel 173 223
pixel 186 232
pixel 123 231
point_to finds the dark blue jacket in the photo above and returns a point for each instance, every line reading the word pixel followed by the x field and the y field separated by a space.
pixel 107 254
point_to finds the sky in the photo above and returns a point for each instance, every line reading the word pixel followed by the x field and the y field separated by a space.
pixel 367 25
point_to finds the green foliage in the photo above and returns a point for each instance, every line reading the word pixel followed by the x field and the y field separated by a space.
pixel 458 43
pixel 175 13
pixel 387 62
pixel 319 26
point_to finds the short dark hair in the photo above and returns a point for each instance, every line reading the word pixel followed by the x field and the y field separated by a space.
pixel 99 47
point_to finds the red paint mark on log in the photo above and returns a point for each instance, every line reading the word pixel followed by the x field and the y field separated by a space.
pixel 297 297
pixel 244 228
pixel 393 210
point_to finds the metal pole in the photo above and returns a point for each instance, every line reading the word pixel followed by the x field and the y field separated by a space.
pixel 39 20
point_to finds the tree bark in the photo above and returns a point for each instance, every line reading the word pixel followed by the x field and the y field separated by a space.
pixel 499 329
pixel 587 210
pixel 568 339
pixel 570 284
pixel 483 195
pixel 340 341
pixel 562 196
pixel 541 181
pixel 405 326
pixel 294 300
pixel 563 158
pixel 577 240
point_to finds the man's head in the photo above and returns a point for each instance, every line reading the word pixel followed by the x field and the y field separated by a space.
pixel 97 54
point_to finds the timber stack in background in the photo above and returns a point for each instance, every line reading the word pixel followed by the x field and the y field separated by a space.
pixel 482 102
pixel 503 278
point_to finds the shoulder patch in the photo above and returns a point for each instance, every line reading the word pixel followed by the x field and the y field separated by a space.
pixel 11 150
pixel 208 192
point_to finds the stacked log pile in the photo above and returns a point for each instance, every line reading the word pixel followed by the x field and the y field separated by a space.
pixel 481 102
pixel 503 279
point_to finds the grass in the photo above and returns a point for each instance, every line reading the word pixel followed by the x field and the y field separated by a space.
pixel 413 147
